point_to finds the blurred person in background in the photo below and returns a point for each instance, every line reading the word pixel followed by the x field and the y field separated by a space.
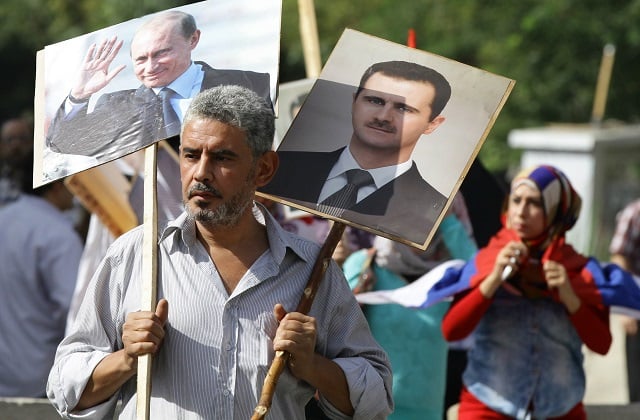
pixel 39 255
pixel 625 251
pixel 16 149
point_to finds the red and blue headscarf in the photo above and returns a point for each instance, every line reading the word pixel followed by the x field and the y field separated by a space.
pixel 560 201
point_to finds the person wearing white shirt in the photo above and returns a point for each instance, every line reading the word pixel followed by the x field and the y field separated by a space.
pixel 229 280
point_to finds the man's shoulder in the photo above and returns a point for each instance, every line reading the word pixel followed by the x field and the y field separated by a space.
pixel 297 155
pixel 305 163
pixel 127 243
pixel 413 181
pixel 232 75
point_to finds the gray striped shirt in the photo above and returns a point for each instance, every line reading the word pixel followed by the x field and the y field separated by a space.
pixel 218 347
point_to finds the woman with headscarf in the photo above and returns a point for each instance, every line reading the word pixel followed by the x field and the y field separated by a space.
pixel 531 306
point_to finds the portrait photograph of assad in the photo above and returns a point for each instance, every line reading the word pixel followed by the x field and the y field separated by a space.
pixel 385 137
pixel 131 83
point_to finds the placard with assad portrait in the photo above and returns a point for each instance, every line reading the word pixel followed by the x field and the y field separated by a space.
pixel 385 137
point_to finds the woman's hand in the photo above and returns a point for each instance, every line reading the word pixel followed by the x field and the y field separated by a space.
pixel 557 278
pixel 510 256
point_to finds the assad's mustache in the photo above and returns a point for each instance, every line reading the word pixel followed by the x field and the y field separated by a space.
pixel 382 125
pixel 203 188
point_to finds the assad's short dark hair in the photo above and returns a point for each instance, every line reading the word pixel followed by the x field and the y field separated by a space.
pixel 239 107
pixel 415 72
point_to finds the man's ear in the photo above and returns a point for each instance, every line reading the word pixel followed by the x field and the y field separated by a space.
pixel 194 39
pixel 433 124
pixel 266 167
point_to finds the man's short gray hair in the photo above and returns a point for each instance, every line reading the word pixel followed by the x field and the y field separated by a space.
pixel 168 20
pixel 239 107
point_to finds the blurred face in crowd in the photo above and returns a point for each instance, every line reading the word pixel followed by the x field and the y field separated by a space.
pixel 16 139
pixel 526 212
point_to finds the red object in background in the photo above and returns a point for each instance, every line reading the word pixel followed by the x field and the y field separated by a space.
pixel 411 38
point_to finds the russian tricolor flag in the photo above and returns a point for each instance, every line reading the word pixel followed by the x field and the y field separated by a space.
pixel 606 283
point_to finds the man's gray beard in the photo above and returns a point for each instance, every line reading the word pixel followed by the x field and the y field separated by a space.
pixel 227 214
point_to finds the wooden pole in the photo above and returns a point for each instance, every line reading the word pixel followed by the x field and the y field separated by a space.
pixel 280 360
pixel 602 86
pixel 149 288
pixel 309 38
pixel 312 60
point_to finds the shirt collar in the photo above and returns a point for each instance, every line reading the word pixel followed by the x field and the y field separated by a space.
pixel 185 84
pixel 380 176
pixel 279 239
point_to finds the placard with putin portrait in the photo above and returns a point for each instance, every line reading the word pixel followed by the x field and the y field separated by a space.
pixel 385 137
pixel 112 92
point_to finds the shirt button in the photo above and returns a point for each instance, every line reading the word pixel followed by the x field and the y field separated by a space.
pixel 225 392
pixel 229 347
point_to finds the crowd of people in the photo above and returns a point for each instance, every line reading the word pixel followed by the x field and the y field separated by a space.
pixel 526 267
pixel 232 267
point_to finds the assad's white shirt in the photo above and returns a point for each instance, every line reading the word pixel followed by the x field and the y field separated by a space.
pixel 337 177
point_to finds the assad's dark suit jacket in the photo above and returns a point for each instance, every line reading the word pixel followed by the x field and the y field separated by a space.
pixel 406 207
pixel 125 121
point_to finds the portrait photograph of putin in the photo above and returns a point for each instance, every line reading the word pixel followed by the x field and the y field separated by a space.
pixel 117 90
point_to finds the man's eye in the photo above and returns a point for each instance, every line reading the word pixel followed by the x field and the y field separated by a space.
pixel 375 101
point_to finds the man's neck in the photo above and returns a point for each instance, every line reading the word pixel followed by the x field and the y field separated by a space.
pixel 372 158
pixel 234 249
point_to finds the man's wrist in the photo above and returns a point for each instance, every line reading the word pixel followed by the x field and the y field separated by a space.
pixel 78 101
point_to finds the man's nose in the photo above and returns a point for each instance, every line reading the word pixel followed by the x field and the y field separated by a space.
pixel 152 63
pixel 202 171
pixel 385 113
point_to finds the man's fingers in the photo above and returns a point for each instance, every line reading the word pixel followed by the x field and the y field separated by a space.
pixel 279 312
pixel 113 51
pixel 114 73
pixel 162 310
pixel 89 55
pixel 139 348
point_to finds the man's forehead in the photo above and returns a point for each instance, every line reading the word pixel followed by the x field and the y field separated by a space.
pixel 153 34
pixel 200 130
pixel 394 85
pixel 399 90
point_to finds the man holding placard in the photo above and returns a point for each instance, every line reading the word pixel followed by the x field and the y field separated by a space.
pixel 228 274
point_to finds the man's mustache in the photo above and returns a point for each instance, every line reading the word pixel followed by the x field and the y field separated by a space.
pixel 383 125
pixel 203 188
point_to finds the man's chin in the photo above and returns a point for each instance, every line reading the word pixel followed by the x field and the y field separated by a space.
pixel 154 83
